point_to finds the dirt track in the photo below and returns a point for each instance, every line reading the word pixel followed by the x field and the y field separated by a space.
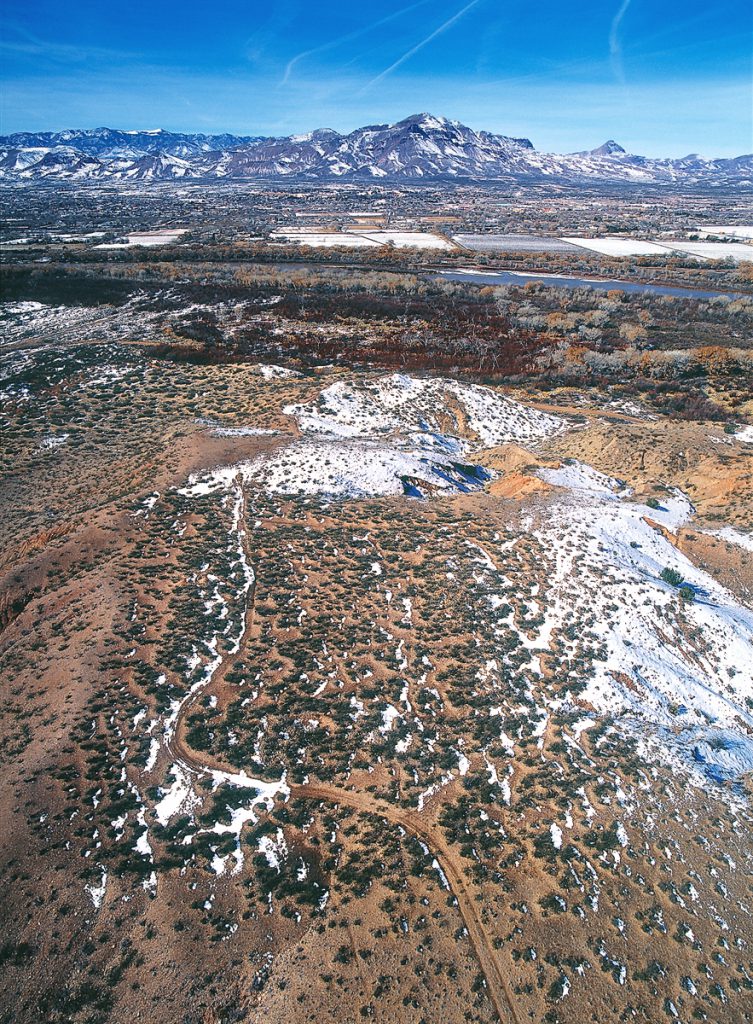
pixel 496 983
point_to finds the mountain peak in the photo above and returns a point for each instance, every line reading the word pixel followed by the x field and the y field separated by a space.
pixel 610 148
pixel 427 121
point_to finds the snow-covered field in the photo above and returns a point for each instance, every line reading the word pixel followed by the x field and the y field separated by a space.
pixel 410 239
pixel 738 251
pixel 165 236
pixel 619 246
pixel 355 238
pixel 324 239
pixel 513 243
pixel 732 230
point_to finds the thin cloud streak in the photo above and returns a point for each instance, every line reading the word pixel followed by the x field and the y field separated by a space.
pixel 63 53
pixel 424 42
pixel 357 34
pixel 615 42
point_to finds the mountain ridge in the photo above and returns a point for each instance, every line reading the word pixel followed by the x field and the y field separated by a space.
pixel 419 147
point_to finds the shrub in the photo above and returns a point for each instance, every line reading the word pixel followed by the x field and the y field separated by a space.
pixel 671 576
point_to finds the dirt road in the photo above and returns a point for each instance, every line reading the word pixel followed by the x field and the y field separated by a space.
pixel 497 986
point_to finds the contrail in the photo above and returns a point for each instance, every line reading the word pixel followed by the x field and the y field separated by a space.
pixel 615 43
pixel 350 36
pixel 424 42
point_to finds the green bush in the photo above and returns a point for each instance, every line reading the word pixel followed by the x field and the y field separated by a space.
pixel 671 576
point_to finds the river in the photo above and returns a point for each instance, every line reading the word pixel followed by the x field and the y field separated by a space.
pixel 504 277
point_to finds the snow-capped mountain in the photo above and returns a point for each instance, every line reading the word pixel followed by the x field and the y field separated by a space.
pixel 420 147
pixel 609 148
pixel 109 143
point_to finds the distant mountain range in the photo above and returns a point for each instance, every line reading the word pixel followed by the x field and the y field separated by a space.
pixel 420 147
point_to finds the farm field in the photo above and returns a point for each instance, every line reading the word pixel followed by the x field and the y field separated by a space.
pixel 363 237
pixel 620 246
pixel 324 239
pixel 514 243
pixel 410 239
pixel 732 230
pixel 146 238
pixel 737 251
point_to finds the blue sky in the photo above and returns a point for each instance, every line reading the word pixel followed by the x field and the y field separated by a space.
pixel 662 77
